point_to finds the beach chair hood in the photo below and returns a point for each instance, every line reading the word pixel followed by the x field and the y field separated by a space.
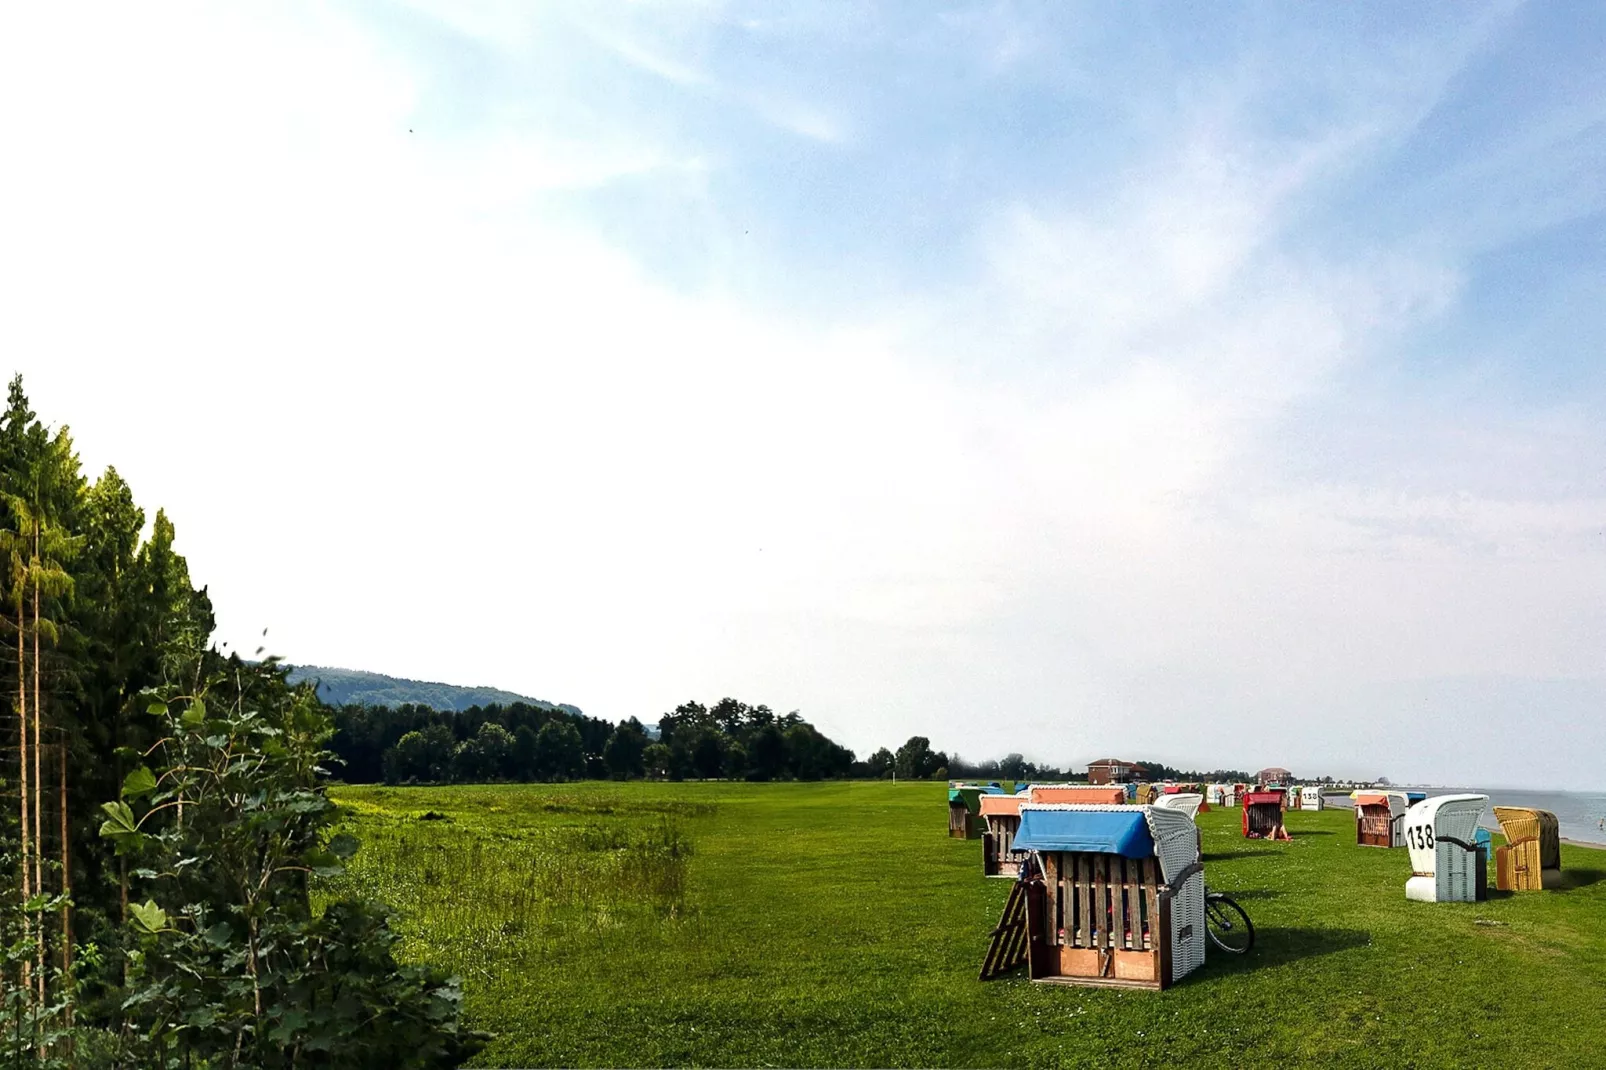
pixel 1118 830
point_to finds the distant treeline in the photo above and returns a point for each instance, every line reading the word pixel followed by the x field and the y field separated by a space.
pixel 1010 767
pixel 519 741
pixel 415 744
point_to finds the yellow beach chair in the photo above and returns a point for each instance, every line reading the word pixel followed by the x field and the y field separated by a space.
pixel 1531 857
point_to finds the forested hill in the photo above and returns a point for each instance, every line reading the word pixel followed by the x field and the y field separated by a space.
pixel 346 687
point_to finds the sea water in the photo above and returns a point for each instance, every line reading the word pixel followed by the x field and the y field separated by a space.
pixel 1581 814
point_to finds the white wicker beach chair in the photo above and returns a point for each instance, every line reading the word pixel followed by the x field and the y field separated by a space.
pixel 1439 834
pixel 1176 841
pixel 1185 801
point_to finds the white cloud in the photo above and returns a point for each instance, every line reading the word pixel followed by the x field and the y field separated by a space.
pixel 1065 505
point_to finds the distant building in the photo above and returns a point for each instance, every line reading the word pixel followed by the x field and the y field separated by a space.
pixel 1274 775
pixel 1113 771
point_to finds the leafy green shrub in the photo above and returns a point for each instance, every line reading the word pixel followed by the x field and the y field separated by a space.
pixel 228 965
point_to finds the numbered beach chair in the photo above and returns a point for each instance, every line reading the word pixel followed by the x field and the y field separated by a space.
pixel 1379 818
pixel 1121 898
pixel 1441 836
pixel 1000 815
pixel 1310 799
pixel 1263 816
pixel 1530 860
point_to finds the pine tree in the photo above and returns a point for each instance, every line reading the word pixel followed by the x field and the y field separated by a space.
pixel 38 548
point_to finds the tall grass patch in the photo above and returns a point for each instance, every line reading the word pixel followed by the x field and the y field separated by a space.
pixel 483 890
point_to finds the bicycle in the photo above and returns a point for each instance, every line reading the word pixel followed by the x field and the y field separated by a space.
pixel 1227 925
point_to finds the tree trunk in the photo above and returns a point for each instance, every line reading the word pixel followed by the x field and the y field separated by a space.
pixel 66 879
pixel 22 781
pixel 38 790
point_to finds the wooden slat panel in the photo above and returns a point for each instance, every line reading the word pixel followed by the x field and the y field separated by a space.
pixel 1131 924
pixel 1101 901
pixel 1084 903
pixel 1140 905
pixel 1051 899
pixel 1068 889
pixel 1073 917
pixel 1112 920
pixel 1151 900
pixel 1062 908
pixel 1007 950
pixel 1074 912
pixel 1070 878
pixel 1117 906
pixel 1075 878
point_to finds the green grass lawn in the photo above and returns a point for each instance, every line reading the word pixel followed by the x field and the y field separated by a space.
pixel 837 925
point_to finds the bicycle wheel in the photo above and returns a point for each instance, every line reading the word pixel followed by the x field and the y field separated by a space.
pixel 1229 927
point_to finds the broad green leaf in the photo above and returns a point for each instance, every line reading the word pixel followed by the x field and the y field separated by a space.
pixel 119 820
pixel 195 716
pixel 343 845
pixel 157 709
pixel 148 916
pixel 140 782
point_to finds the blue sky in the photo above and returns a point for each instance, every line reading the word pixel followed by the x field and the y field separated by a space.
pixel 1221 384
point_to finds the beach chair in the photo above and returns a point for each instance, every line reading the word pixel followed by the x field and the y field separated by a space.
pixel 1000 816
pixel 964 819
pixel 1379 818
pixel 1310 799
pixel 1121 899
pixel 1441 835
pixel 1263 816
pixel 1530 860
pixel 1184 801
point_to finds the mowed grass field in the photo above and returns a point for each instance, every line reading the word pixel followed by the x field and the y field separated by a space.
pixel 713 924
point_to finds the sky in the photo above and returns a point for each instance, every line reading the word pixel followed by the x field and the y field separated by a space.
pixel 1219 384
